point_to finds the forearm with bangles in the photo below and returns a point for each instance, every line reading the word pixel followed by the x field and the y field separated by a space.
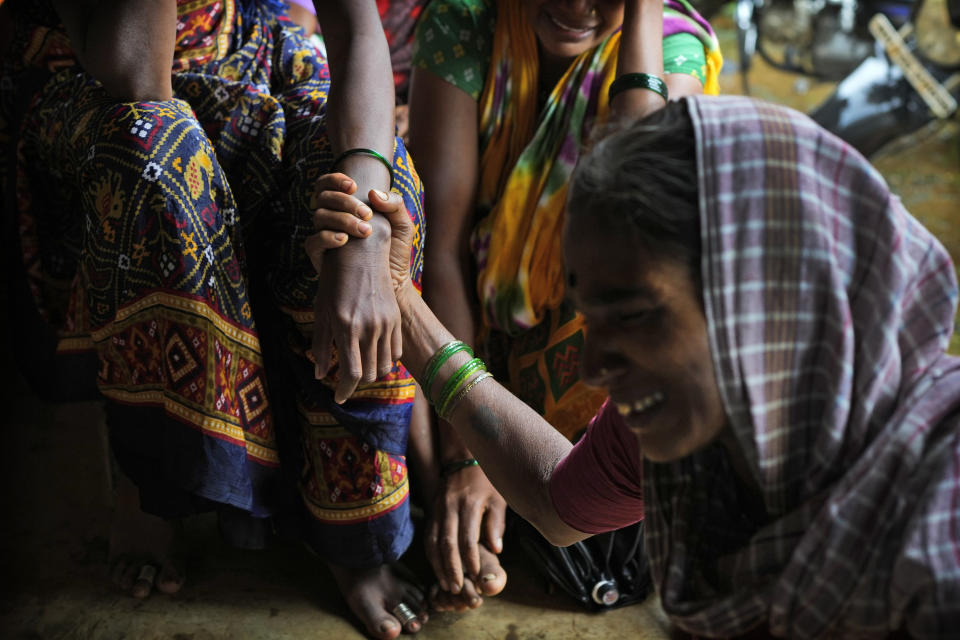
pixel 515 446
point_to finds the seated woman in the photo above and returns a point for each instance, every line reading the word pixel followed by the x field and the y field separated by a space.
pixel 167 154
pixel 502 95
pixel 772 336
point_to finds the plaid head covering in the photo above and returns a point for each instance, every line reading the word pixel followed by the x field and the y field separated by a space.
pixel 829 311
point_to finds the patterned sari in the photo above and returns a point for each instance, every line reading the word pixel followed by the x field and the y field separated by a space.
pixel 526 161
pixel 167 237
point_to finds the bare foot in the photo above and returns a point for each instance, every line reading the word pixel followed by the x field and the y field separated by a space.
pixel 372 595
pixel 144 550
pixel 490 582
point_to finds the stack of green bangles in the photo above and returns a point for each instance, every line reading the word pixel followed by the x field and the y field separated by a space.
pixel 460 383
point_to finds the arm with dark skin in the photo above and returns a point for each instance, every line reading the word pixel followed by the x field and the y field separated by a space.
pixel 356 312
pixel 516 447
pixel 444 139
pixel 641 51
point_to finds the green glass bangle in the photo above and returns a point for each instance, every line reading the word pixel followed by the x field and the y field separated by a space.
pixel 436 361
pixel 463 393
pixel 457 381
pixel 367 152
pixel 452 467
pixel 638 81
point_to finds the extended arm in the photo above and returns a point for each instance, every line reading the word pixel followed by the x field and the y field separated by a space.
pixel 516 447
pixel 444 138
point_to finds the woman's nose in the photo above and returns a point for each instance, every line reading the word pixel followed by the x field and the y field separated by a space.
pixel 597 363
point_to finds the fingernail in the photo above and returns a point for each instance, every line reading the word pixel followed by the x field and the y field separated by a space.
pixel 364 227
pixel 316 372
pixel 381 194
pixel 345 185
pixel 499 545
pixel 387 625
pixel 365 212
pixel 490 577
pixel 474 601
pixel 455 589
pixel 340 237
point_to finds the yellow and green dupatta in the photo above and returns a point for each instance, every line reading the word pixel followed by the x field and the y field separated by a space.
pixel 526 162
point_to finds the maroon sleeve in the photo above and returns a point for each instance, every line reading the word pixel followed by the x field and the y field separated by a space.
pixel 598 487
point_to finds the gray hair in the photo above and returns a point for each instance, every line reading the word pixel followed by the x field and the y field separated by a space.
pixel 645 172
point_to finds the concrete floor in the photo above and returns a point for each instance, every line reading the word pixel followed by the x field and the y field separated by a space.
pixel 56 500
pixel 55 583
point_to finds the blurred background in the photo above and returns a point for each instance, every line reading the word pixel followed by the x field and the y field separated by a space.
pixel 891 99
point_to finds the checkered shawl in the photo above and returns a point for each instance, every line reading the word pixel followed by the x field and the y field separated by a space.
pixel 829 310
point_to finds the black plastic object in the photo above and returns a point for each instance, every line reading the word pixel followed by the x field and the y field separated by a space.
pixel 605 571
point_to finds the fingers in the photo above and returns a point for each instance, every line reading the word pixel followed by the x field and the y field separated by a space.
pixel 333 220
pixel 337 201
pixel 385 356
pixel 337 216
pixel 317 244
pixel 450 552
pixel 351 369
pixel 388 203
pixel 470 518
pixel 494 524
pixel 322 340
pixel 396 343
pixel 432 549
pixel 336 181
pixel 468 598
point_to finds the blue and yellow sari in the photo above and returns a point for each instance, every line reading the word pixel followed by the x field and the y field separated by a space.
pixel 167 238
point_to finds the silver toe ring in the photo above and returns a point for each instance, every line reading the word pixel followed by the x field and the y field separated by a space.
pixel 404 614
pixel 148 573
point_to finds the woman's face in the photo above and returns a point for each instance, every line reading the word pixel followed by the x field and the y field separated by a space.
pixel 567 28
pixel 646 338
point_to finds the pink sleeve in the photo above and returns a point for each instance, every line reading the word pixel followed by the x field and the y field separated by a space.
pixel 598 487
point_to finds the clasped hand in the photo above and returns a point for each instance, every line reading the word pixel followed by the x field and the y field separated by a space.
pixel 356 304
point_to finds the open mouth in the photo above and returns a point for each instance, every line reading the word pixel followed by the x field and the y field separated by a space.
pixel 572 29
pixel 639 406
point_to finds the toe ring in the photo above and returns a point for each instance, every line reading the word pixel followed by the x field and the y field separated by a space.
pixel 148 573
pixel 404 614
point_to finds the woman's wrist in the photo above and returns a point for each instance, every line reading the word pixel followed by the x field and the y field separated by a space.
pixel 450 446
pixel 367 172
